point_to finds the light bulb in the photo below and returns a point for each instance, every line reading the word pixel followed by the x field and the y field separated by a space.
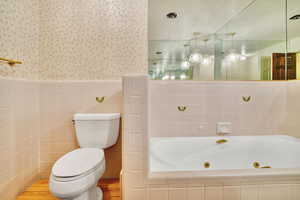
pixel 165 77
pixel 232 57
pixel 185 65
pixel 182 76
pixel 243 57
pixel 206 60
pixel 195 58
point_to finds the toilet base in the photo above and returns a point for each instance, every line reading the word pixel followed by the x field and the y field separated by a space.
pixel 99 194
pixel 94 193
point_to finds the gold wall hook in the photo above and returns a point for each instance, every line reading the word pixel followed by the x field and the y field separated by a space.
pixel 10 62
pixel 100 99
pixel 256 165
pixel 246 99
pixel 206 165
pixel 181 108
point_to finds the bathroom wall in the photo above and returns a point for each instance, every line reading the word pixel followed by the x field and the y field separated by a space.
pixel 144 108
pixel 59 100
pixel 95 39
pixel 19 38
pixel 211 102
pixel 19 136
pixel 73 40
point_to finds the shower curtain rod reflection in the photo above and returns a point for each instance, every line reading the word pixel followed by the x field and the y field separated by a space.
pixel 10 62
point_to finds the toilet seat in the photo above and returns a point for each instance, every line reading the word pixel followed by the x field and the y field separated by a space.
pixel 77 164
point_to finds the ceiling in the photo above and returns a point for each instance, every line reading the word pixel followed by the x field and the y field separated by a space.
pixel 257 23
pixel 205 16
pixel 250 19
pixel 265 20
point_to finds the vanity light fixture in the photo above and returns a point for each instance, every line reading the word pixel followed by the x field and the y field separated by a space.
pixel 206 58
pixel 172 15
pixel 185 65
pixel 195 58
pixel 295 17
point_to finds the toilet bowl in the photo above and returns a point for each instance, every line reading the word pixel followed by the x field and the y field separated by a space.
pixel 75 175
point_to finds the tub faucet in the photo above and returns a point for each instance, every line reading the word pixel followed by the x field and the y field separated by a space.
pixel 222 141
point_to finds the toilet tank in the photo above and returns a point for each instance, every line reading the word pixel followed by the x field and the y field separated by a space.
pixel 97 130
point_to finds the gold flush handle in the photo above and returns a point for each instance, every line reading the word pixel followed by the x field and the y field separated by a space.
pixel 246 99
pixel 181 108
pixel 100 99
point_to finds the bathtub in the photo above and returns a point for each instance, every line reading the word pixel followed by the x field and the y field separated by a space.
pixel 240 156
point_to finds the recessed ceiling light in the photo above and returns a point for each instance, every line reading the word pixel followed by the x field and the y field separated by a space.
pixel 295 17
pixel 172 15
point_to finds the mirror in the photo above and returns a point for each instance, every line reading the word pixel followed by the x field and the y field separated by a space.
pixel 221 40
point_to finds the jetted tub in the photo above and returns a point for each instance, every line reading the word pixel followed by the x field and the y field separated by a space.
pixel 185 157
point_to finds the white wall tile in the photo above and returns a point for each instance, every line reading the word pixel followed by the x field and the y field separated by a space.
pixel 195 193
pixel 214 193
pixel 158 194
pixel 294 191
pixel 274 192
pixel 250 192
pixel 232 193
pixel 136 194
pixel 177 194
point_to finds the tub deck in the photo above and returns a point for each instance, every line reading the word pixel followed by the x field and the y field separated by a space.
pixel 265 156
pixel 40 190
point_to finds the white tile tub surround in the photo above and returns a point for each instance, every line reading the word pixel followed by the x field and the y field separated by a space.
pixel 210 102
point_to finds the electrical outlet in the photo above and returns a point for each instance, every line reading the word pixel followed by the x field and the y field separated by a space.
pixel 224 128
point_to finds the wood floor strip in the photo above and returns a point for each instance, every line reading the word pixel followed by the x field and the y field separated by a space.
pixel 40 190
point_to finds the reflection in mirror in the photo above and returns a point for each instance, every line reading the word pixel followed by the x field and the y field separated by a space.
pixel 293 22
pixel 190 45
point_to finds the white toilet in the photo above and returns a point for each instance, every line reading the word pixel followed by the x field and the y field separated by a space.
pixel 75 175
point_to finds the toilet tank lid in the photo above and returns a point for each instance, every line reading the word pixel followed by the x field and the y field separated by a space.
pixel 96 116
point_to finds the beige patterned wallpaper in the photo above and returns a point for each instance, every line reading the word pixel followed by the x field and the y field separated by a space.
pixel 19 37
pixel 74 39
